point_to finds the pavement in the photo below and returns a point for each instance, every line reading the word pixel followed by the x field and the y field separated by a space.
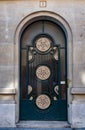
pixel 42 128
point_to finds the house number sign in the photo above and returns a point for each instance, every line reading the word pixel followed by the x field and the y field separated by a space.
pixel 43 3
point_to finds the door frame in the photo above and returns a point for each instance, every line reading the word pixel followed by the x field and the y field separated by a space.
pixel 68 34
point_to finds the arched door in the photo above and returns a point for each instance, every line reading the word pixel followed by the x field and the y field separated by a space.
pixel 43 72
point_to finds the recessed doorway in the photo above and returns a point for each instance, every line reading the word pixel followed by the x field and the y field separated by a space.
pixel 43 72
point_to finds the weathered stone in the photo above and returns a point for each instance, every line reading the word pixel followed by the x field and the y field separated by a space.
pixel 7 97
pixel 79 53
pixel 7 114
pixel 79 75
pixel 6 55
pixel 78 114
pixel 11 14
pixel 7 77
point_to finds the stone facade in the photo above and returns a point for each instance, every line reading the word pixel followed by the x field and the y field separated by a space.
pixel 12 16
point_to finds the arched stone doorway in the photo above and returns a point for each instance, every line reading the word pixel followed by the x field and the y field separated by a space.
pixel 56 31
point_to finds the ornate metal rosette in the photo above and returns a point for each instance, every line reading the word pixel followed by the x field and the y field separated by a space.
pixel 43 72
pixel 43 44
pixel 43 101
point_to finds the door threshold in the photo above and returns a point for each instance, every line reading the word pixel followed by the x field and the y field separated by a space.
pixel 43 124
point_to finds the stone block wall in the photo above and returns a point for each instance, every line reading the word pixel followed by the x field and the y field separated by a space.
pixel 11 14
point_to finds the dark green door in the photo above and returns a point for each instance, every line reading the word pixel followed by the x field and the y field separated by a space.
pixel 41 92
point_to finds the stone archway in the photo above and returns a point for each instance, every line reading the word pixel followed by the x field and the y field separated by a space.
pixel 23 24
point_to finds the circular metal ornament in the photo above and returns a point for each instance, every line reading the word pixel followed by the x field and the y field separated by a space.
pixel 43 44
pixel 43 101
pixel 43 72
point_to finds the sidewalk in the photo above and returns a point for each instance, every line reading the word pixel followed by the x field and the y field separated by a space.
pixel 42 128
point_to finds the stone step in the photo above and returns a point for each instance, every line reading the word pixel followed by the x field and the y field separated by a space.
pixel 42 129
pixel 43 124
pixel 35 129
